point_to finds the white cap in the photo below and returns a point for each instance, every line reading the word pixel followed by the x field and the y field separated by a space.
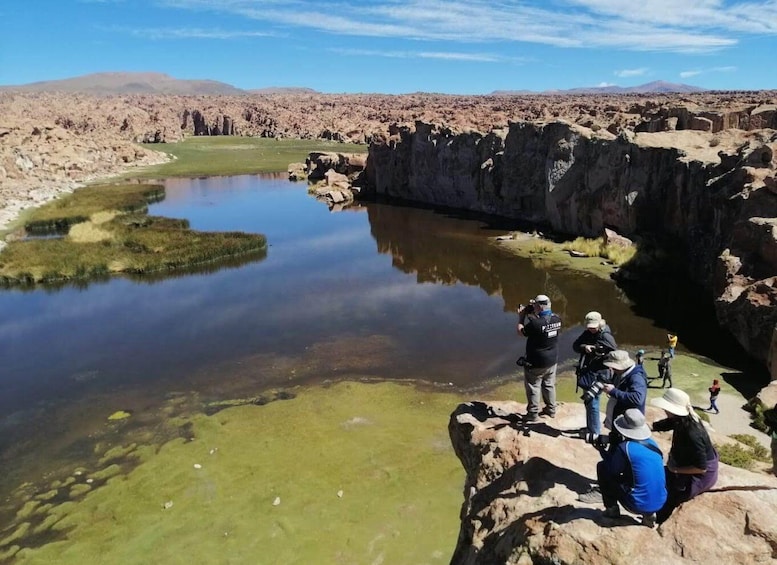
pixel 542 299
pixel 593 320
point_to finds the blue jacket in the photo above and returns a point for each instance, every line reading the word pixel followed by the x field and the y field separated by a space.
pixel 630 392
pixel 639 472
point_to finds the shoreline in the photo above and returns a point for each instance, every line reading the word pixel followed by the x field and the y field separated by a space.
pixel 22 195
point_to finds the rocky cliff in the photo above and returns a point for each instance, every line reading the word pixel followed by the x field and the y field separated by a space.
pixel 520 501
pixel 710 196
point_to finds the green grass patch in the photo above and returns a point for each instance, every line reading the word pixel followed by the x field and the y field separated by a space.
pixel 225 155
pixel 60 214
pixel 759 451
pixel 744 454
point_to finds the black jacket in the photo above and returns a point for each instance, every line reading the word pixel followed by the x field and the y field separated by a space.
pixel 542 331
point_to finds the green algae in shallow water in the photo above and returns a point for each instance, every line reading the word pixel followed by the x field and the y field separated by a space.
pixel 385 446
pixel 119 415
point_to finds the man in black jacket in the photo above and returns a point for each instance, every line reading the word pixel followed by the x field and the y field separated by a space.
pixel 542 328
pixel 593 345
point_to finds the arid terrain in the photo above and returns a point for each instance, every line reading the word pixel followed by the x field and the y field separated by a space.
pixel 49 142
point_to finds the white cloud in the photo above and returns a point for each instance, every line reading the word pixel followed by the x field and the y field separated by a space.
pixel 631 72
pixel 604 84
pixel 451 56
pixel 192 33
pixel 695 26
pixel 696 72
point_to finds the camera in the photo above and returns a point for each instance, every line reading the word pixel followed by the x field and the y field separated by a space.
pixel 593 391
pixel 523 362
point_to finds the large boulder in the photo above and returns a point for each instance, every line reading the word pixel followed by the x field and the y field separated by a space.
pixel 520 501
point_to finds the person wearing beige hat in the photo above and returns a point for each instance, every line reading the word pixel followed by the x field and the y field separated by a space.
pixel 692 467
pixel 593 345
pixel 628 388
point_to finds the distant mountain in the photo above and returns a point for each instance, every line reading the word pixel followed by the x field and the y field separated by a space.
pixel 129 83
pixel 283 90
pixel 655 87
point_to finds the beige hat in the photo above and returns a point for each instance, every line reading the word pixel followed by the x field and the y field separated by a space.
pixel 674 401
pixel 619 360
pixel 593 320
pixel 631 424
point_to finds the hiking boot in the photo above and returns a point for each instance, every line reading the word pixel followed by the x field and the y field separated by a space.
pixel 532 417
pixel 548 411
pixel 593 496
pixel 612 512
pixel 649 520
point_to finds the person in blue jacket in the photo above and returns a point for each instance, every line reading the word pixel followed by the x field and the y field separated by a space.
pixel 632 470
pixel 629 385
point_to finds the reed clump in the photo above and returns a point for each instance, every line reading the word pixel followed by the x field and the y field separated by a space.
pixel 100 230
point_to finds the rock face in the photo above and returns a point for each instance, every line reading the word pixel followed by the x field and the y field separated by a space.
pixel 710 195
pixel 699 170
pixel 520 501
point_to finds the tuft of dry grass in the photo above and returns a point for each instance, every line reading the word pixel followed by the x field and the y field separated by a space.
pixel 597 248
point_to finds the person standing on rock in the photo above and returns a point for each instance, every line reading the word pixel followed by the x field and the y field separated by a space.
pixel 542 328
pixel 631 471
pixel 692 467
pixel 593 345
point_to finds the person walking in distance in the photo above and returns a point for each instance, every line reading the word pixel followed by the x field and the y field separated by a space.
pixel 542 328
pixel 714 393
pixel 665 369
pixel 593 345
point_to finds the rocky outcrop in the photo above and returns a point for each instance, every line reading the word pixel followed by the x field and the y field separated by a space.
pixel 520 501
pixel 710 196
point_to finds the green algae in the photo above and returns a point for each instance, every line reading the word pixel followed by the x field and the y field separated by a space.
pixel 118 453
pixel 119 415
pixel 363 472
pixel 28 509
pixel 79 489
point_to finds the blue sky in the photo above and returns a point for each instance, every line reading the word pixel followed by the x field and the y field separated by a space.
pixel 395 46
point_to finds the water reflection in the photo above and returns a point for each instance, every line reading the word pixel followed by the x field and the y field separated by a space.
pixel 377 292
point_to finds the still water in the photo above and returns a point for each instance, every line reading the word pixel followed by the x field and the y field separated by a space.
pixel 373 292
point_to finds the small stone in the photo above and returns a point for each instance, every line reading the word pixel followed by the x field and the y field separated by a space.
pixel 79 473
pixel 214 450
pixel 197 466
pixel 339 494
pixel 167 505
pixel 277 501
pixel 89 481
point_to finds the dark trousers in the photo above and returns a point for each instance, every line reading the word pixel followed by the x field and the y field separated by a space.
pixel 612 491
pixel 682 488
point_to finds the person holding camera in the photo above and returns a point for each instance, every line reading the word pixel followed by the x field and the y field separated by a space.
pixel 542 328
pixel 631 471
pixel 593 345
pixel 628 388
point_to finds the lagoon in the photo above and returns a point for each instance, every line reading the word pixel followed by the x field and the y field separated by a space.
pixel 379 292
